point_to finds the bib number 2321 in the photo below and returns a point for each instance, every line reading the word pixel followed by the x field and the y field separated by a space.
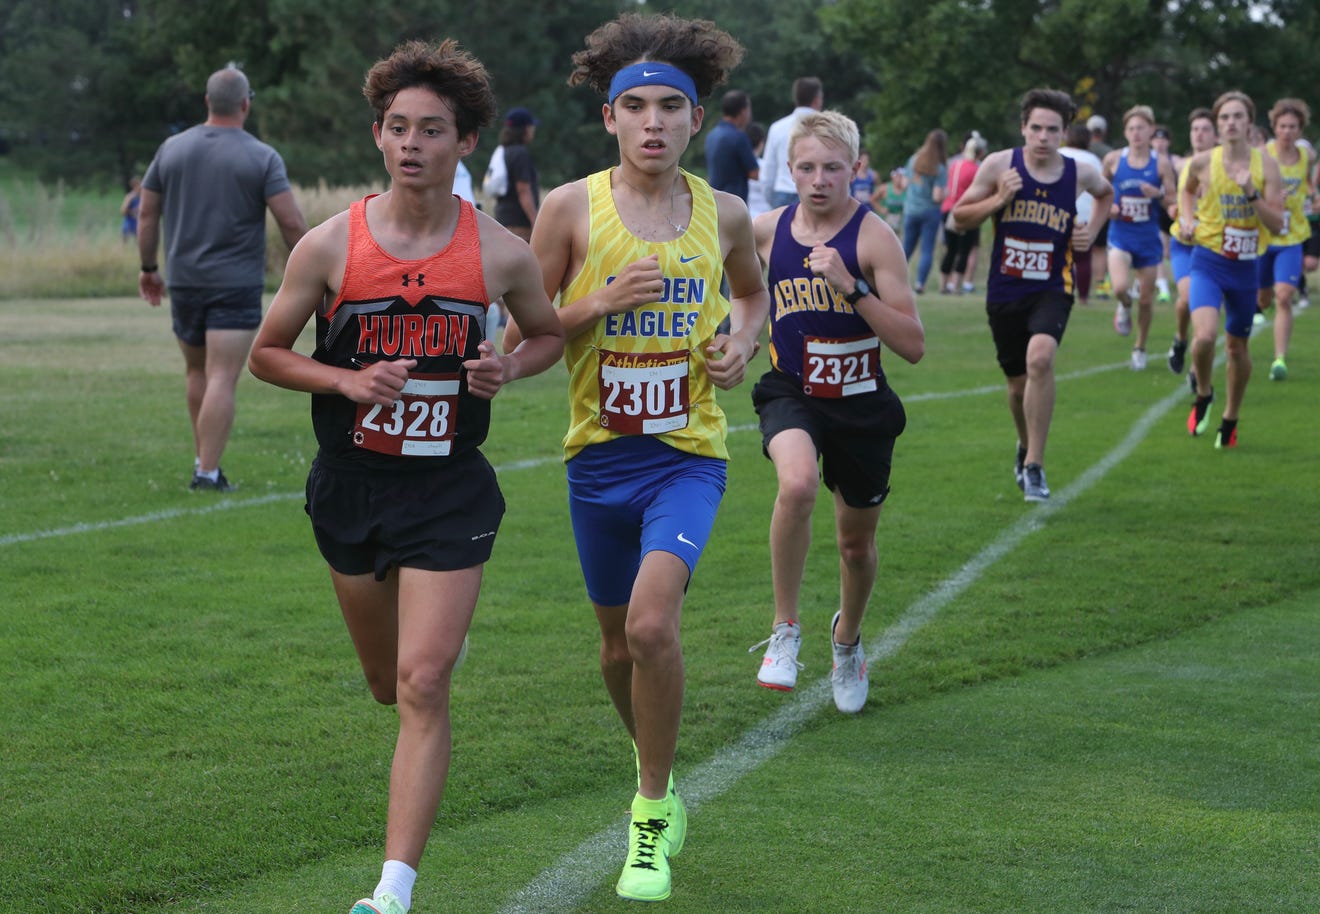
pixel 833 368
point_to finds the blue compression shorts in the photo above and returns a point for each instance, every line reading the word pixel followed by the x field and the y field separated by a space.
pixel 1280 264
pixel 1216 278
pixel 1180 259
pixel 635 495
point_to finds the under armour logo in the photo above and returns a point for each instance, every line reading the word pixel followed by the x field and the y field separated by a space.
pixel 420 280
pixel 1042 192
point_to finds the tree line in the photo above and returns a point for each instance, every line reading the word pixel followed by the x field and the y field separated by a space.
pixel 89 88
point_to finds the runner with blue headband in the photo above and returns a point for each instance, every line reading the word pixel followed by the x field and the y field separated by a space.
pixel 635 254
pixel 652 73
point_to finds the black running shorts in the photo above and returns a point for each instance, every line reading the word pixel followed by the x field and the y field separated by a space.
pixel 854 436
pixel 1014 323
pixel 368 521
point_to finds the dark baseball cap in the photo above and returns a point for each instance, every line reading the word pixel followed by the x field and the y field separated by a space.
pixel 520 117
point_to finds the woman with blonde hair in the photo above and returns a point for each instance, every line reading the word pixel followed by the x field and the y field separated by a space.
pixel 926 174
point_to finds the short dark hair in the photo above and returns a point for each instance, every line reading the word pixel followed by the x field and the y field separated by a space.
pixel 1078 136
pixel 734 102
pixel 1051 99
pixel 806 89
pixel 446 69
pixel 1200 114
pixel 698 47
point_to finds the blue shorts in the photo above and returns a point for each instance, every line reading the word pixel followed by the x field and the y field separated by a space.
pixel 1180 259
pixel 635 495
pixel 1216 278
pixel 1143 245
pixel 1280 265
pixel 196 311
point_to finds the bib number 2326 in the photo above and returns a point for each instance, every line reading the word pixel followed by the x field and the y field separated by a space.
pixel 420 423
pixel 644 393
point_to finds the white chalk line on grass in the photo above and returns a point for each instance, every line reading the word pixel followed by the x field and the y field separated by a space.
pixel 232 503
pixel 564 886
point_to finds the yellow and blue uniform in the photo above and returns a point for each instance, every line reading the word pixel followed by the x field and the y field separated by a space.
pixel 1180 253
pixel 645 446
pixel 1228 234
pixel 1281 261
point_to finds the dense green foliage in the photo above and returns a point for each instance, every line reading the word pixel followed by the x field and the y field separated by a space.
pixel 89 88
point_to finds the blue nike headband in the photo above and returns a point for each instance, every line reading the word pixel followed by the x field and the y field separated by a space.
pixel 652 73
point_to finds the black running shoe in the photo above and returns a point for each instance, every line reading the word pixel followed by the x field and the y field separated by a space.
pixel 201 484
pixel 1019 463
pixel 1177 356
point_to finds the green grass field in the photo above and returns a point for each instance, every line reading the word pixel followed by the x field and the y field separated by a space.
pixel 1106 704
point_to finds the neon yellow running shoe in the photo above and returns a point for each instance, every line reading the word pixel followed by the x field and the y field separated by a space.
pixel 1278 371
pixel 645 875
pixel 677 814
pixel 385 904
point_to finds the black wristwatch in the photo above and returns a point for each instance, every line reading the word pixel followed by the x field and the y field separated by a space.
pixel 863 289
pixel 149 269
pixel 1253 196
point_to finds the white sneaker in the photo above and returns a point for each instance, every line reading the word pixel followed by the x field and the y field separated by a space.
pixel 780 667
pixel 1122 320
pixel 1138 362
pixel 849 675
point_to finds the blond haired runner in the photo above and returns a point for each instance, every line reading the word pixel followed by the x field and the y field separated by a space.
pixel 839 282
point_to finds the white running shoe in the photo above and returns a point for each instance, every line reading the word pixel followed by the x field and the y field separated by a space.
pixel 1138 362
pixel 1122 320
pixel 780 667
pixel 849 675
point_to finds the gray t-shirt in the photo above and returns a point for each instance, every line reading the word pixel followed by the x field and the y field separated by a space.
pixel 214 183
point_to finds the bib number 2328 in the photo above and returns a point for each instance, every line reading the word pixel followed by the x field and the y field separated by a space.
pixel 644 393
pixel 420 423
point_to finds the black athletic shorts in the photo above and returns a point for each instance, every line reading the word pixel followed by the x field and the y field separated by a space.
pixel 196 311
pixel 1014 323
pixel 366 520
pixel 854 436
pixel 1311 246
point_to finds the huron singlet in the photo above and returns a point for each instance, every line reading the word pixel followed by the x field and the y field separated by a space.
pixel 432 310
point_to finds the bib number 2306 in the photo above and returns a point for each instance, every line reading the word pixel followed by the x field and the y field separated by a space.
pixel 420 423
pixel 643 393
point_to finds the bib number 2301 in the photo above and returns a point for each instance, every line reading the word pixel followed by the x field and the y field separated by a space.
pixel 420 423
pixel 644 393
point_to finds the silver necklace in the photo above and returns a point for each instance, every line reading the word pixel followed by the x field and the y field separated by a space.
pixel 673 192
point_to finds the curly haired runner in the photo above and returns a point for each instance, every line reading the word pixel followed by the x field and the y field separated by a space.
pixel 636 253
pixel 404 506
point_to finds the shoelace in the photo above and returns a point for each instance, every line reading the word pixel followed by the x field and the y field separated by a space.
pixel 848 668
pixel 650 832
pixel 778 651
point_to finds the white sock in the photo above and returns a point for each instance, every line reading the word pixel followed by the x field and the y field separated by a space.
pixel 1162 284
pixel 397 878
pixel 214 475
pixel 197 464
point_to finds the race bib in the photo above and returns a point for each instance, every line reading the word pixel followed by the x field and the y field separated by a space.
pixel 643 393
pixel 420 423
pixel 1240 244
pixel 1134 209
pixel 1027 259
pixel 837 368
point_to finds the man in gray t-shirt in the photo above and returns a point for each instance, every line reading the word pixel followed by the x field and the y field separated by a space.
pixel 211 185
